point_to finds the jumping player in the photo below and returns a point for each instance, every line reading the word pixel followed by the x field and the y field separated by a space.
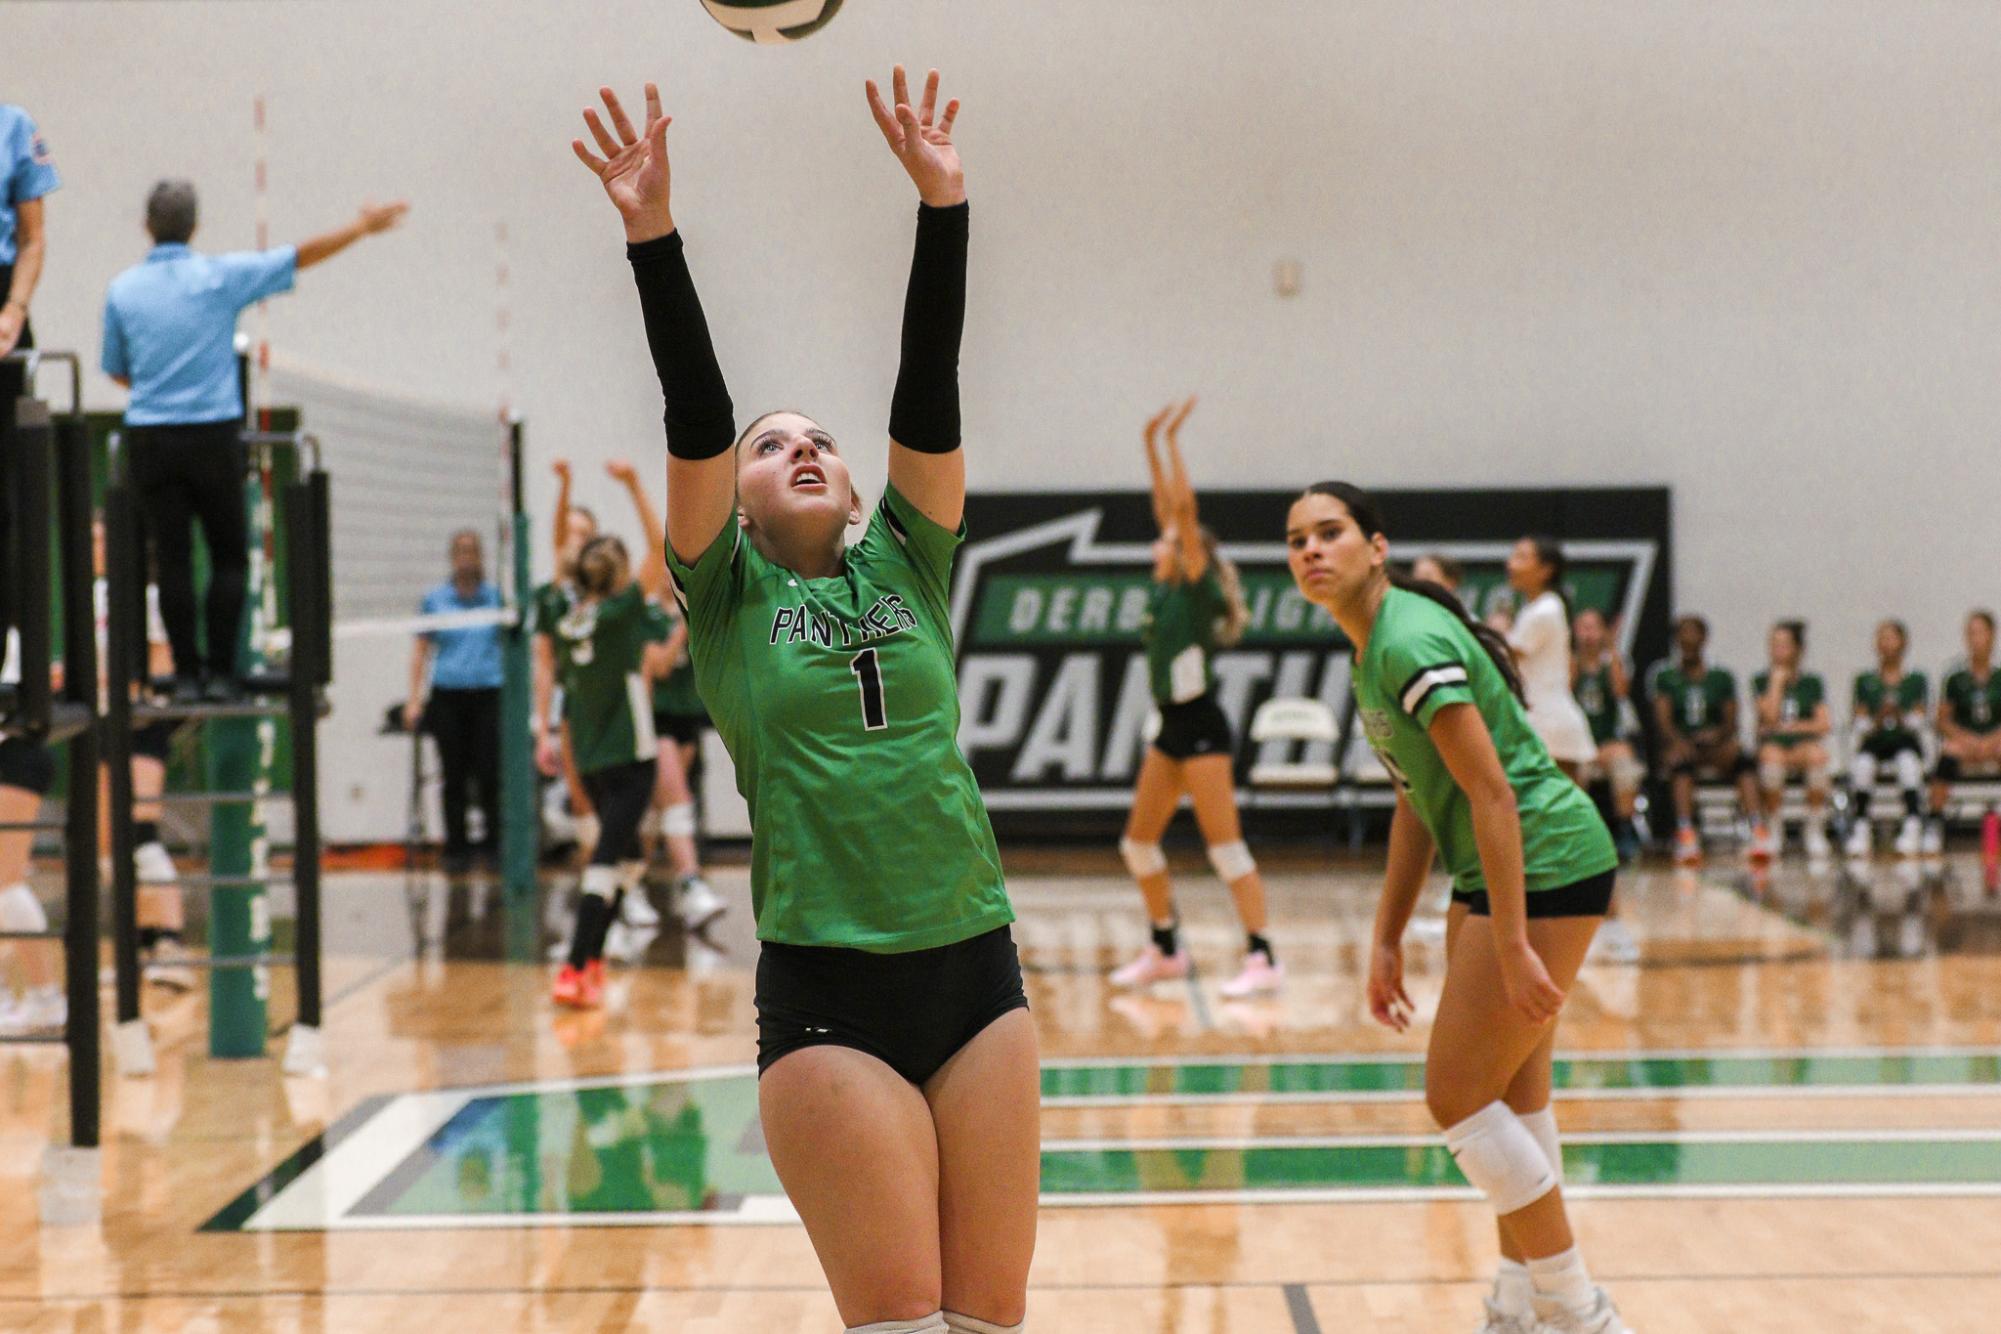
pixel 898 1087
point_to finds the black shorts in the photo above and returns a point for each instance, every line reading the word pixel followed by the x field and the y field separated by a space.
pixel 682 728
pixel 1586 898
pixel 910 1011
pixel 153 740
pixel 1192 730
pixel 26 765
pixel 1951 769
pixel 1889 745
pixel 620 795
pixel 1711 760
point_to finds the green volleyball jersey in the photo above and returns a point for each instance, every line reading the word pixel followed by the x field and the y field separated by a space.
pixel 601 647
pixel 1907 697
pixel 1600 702
pixel 675 694
pixel 1694 703
pixel 1420 658
pixel 1803 695
pixel 838 699
pixel 1181 637
pixel 1975 705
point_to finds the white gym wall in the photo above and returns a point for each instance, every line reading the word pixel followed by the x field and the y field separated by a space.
pixel 1745 249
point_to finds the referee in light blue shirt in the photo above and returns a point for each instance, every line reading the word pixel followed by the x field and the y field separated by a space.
pixel 169 337
pixel 463 714
pixel 27 173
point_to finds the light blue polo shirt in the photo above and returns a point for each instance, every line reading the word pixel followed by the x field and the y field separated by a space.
pixel 170 328
pixel 467 659
pixel 26 172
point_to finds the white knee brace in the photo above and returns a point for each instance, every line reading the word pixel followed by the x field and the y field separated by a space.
pixel 1910 770
pixel 1542 1125
pixel 1142 859
pixel 1862 771
pixel 602 881
pixel 678 821
pixel 1626 773
pixel 20 910
pixel 1499 1155
pixel 1817 777
pixel 965 1324
pixel 1772 777
pixel 1231 860
pixel 930 1324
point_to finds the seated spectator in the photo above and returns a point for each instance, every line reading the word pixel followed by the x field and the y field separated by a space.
pixel 1889 720
pixel 1695 711
pixel 1793 723
pixel 1602 684
pixel 1969 723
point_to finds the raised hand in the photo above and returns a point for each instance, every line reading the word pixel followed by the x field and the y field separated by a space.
pixel 921 140
pixel 633 169
pixel 375 218
pixel 561 467
pixel 622 471
pixel 1156 421
pixel 1180 416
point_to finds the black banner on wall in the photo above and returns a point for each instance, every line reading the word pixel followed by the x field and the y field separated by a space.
pixel 1050 593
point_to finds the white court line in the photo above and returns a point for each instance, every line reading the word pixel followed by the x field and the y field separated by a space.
pixel 1628 1056
pixel 1244 1144
pixel 323 1194
pixel 1676 1092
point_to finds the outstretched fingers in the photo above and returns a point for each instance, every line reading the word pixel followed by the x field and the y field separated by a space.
pixel 885 119
pixel 588 158
pixel 619 119
pixel 606 144
pixel 930 98
pixel 951 114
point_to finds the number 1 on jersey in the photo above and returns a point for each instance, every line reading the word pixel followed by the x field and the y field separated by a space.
pixel 868 671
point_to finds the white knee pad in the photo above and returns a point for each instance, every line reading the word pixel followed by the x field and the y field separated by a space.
pixel 1910 770
pixel 1142 859
pixel 678 821
pixel 1499 1155
pixel 20 910
pixel 970 1325
pixel 1862 771
pixel 630 874
pixel 1817 777
pixel 1542 1125
pixel 930 1324
pixel 1626 773
pixel 1772 777
pixel 1231 860
pixel 601 881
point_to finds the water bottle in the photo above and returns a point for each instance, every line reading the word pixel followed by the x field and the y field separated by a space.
pixel 1990 849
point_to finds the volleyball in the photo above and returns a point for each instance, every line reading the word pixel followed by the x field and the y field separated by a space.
pixel 773 22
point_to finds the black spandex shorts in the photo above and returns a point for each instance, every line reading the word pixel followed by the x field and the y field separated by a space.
pixel 1586 898
pixel 153 740
pixel 682 728
pixel 910 1011
pixel 1192 730
pixel 1709 759
pixel 1888 746
pixel 26 765
pixel 620 795
pixel 1951 769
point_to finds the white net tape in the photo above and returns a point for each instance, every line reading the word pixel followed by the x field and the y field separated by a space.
pixel 404 475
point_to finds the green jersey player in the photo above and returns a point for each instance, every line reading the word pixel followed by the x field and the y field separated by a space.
pixel 892 1023
pixel 1969 722
pixel 1195 607
pixel 1532 867
pixel 1793 723
pixel 1888 721
pixel 1695 718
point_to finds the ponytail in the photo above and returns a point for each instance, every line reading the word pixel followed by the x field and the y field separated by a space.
pixel 1363 510
pixel 1236 615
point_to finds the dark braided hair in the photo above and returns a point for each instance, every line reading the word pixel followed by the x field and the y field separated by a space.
pixel 1362 508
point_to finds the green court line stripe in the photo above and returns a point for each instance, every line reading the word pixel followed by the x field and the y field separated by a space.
pixel 232 1216
pixel 1638 1075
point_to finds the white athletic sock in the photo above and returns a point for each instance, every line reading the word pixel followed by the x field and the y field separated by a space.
pixel 930 1324
pixel 1562 1278
pixel 1514 1290
pixel 1542 1125
pixel 965 1324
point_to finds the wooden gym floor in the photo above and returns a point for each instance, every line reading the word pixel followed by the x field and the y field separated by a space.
pixel 1786 1117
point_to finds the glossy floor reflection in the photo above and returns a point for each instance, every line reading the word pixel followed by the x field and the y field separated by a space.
pixel 1784 1117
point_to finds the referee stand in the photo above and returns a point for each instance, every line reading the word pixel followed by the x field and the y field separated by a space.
pixel 239 741
pixel 41 455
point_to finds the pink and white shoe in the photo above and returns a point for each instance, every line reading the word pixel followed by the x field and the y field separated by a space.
pixel 1150 967
pixel 1260 977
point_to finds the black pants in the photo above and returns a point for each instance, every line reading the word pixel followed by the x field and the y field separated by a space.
pixel 181 475
pixel 621 796
pixel 13 384
pixel 466 726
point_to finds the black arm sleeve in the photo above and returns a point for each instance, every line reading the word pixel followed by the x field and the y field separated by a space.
pixel 700 419
pixel 924 414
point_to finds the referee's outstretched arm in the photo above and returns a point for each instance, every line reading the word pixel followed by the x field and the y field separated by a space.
pixel 371 219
